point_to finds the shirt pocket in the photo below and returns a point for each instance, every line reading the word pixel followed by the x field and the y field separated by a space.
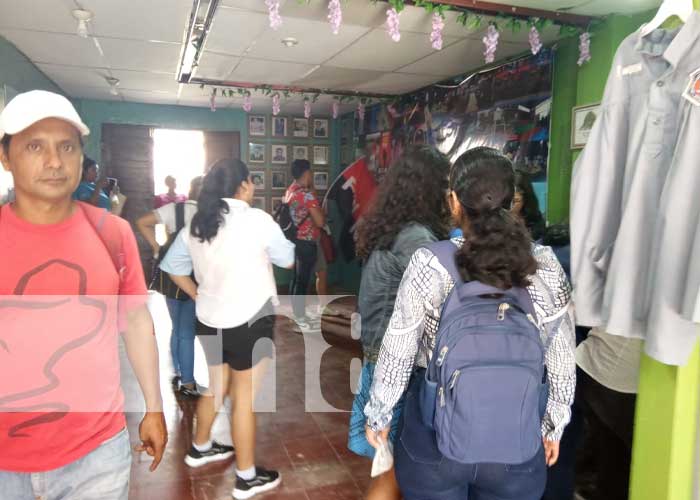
pixel 654 134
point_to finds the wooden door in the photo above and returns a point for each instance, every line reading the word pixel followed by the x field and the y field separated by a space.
pixel 218 145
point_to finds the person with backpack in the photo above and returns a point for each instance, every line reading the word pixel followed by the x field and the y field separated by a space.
pixel 180 306
pixel 410 211
pixel 231 248
pixel 72 281
pixel 482 335
pixel 307 218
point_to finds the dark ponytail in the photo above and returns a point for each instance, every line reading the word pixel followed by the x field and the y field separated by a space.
pixel 497 247
pixel 222 181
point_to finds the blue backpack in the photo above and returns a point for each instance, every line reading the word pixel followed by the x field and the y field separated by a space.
pixel 485 388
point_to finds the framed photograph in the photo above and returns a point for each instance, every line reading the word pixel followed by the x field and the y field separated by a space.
pixel 279 127
pixel 320 181
pixel 258 178
pixel 256 153
pixel 256 126
pixel 321 128
pixel 300 127
pixel 582 120
pixel 276 202
pixel 279 153
pixel 300 152
pixel 321 155
pixel 259 202
pixel 279 180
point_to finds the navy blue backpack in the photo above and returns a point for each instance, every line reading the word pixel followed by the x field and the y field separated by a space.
pixel 485 388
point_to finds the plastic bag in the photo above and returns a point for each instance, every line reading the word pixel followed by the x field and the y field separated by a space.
pixel 383 458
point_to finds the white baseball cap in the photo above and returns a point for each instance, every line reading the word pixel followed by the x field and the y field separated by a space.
pixel 30 107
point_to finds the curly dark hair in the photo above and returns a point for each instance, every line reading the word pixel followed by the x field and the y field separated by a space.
pixel 413 190
pixel 531 206
pixel 497 247
pixel 222 181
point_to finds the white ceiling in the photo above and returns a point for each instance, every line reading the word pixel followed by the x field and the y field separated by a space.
pixel 139 42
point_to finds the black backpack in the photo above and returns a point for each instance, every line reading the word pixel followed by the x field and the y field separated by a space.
pixel 283 217
pixel 160 281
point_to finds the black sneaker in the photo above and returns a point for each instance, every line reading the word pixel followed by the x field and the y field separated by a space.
pixel 186 392
pixel 216 453
pixel 264 480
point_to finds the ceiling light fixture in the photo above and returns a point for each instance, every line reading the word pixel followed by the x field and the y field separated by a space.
pixel 83 17
pixel 113 84
pixel 198 27
pixel 290 42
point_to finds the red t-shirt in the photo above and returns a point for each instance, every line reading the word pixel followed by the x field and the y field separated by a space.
pixel 300 200
pixel 60 394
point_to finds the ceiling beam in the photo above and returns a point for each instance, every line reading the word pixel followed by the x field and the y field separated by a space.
pixel 498 8
pixel 288 88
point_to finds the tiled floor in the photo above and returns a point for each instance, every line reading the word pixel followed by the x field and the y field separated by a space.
pixel 309 449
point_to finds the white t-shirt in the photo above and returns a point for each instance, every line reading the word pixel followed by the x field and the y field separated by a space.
pixel 166 215
pixel 234 270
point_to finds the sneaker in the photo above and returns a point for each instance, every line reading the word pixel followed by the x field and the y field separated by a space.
pixel 302 324
pixel 175 382
pixel 264 480
pixel 186 392
pixel 216 453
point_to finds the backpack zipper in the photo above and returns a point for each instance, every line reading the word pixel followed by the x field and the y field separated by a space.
pixel 453 381
pixel 441 357
pixel 502 311
pixel 441 395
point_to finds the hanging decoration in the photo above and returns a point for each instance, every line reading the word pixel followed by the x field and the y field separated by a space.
pixel 247 102
pixel 335 15
pixel 212 101
pixel 336 109
pixel 535 42
pixel 584 48
pixel 436 34
pixel 392 24
pixel 491 43
pixel 275 105
pixel 273 7
pixel 307 109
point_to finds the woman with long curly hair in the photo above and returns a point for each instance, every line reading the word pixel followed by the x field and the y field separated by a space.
pixel 409 211
pixel 497 252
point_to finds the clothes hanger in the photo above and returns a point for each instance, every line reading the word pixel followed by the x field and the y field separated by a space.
pixel 681 8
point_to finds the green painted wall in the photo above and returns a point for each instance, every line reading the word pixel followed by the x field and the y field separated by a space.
pixel 18 72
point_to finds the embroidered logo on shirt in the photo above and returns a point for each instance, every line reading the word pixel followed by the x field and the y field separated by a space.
pixel 692 91
pixel 630 70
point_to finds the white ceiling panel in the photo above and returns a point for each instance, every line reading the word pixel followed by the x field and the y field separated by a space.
pixel 141 56
pixel 316 42
pixel 38 15
pixel 377 51
pixel 216 66
pixel 141 80
pixel 70 76
pixel 275 73
pixel 395 83
pixel 53 48
pixel 449 61
pixel 192 91
pixel 233 31
pixel 162 20
pixel 86 92
pixel 149 97
pixel 328 77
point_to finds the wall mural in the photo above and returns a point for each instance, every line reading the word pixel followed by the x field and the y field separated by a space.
pixel 507 108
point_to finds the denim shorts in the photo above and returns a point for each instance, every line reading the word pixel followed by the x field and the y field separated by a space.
pixel 101 474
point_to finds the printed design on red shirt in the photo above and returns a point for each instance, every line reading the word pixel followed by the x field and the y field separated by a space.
pixel 300 202
pixel 82 318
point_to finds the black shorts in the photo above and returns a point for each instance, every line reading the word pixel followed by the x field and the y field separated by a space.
pixel 239 347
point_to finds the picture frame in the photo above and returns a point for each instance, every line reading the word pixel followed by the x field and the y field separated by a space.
pixel 279 180
pixel 275 201
pixel 257 125
pixel 278 153
pixel 300 127
pixel 279 126
pixel 321 128
pixel 582 120
pixel 320 155
pixel 256 152
pixel 259 202
pixel 320 181
pixel 258 178
pixel 300 152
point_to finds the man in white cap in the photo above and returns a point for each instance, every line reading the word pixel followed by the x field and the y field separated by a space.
pixel 70 281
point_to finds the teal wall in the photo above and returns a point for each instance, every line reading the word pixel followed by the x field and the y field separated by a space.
pixel 18 72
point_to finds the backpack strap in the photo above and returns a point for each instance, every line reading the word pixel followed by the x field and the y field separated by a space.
pixel 179 216
pixel 445 252
pixel 107 228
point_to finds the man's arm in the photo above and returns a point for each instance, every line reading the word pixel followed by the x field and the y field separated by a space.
pixel 146 224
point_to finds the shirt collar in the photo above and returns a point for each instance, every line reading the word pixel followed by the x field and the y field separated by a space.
pixel 234 203
pixel 671 44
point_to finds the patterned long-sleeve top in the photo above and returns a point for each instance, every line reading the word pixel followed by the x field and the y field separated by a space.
pixel 410 338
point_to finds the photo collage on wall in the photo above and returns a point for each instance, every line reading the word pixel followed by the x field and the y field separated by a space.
pixel 273 143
